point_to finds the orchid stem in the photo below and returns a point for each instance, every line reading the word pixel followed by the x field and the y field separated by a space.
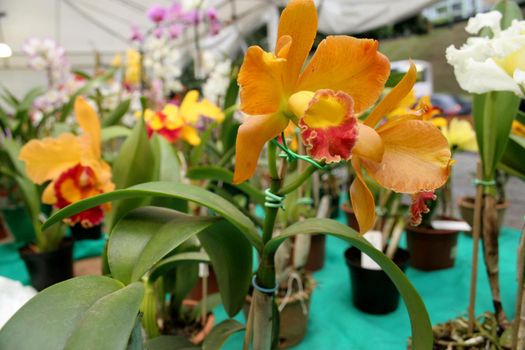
pixel 299 181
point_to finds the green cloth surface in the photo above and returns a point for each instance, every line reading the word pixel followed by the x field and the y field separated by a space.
pixel 334 323
pixel 13 267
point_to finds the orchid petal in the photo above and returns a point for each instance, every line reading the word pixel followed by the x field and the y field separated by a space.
pixel 252 135
pixel 362 200
pixel 89 122
pixel 350 65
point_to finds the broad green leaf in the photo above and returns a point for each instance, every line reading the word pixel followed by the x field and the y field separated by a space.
pixel 172 261
pixel 221 174
pixel 493 115
pixel 108 323
pixel 510 11
pixel 132 166
pixel 116 115
pixel 168 189
pixel 132 233
pixel 167 168
pixel 231 256
pixel 421 327
pixel 113 132
pixel 12 149
pixel 513 160
pixel 46 321
pixel 170 342
pixel 220 333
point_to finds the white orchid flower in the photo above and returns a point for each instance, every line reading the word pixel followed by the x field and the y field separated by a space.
pixel 494 63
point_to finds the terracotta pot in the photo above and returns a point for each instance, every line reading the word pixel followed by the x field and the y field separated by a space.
pixel 351 219
pixel 79 232
pixel 466 208
pixel 431 249
pixel 372 290
pixel 46 269
pixel 315 261
pixel 293 323
pixel 213 287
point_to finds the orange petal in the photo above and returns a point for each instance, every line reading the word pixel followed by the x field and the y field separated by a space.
pixel 299 21
pixel 260 82
pixel 369 144
pixel 350 65
pixel 89 122
pixel 394 97
pixel 416 157
pixel 253 134
pixel 362 200
pixel 48 196
pixel 46 159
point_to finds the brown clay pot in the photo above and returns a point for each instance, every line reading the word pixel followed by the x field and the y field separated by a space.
pixel 213 287
pixel 316 255
pixel 293 323
pixel 466 208
pixel 431 249
pixel 351 219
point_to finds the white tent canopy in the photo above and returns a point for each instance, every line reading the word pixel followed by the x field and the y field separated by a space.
pixel 82 26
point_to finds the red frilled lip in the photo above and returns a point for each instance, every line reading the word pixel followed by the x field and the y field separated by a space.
pixel 332 142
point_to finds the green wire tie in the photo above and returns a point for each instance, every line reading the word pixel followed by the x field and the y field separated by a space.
pixel 272 200
pixel 484 183
pixel 292 156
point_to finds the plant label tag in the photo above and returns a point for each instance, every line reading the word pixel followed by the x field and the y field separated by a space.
pixel 204 270
pixel 450 225
pixel 376 239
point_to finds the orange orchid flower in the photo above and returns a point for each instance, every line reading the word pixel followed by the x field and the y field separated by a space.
pixel 73 165
pixel 406 154
pixel 181 122
pixel 343 79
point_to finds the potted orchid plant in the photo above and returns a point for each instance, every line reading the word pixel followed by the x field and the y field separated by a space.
pixel 323 100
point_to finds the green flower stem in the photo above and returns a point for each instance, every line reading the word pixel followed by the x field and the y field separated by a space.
pixel 299 181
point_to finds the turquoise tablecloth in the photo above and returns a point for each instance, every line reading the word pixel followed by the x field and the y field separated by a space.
pixel 334 322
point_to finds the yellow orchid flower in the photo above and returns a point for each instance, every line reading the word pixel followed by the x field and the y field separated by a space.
pixel 518 128
pixel 174 122
pixel 405 106
pixel 132 74
pixel 460 135
pixel 343 79
pixel 73 165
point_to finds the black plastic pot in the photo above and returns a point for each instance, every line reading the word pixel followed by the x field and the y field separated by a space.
pixel 46 269
pixel 372 291
pixel 78 232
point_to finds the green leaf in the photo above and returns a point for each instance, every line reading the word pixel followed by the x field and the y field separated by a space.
pixel 68 107
pixel 27 100
pixel 493 115
pixel 168 189
pixel 220 333
pixel 509 10
pixel 169 342
pixel 112 132
pixel 421 327
pixel 231 256
pixel 108 323
pixel 173 261
pixel 146 235
pixel 132 166
pixel 167 168
pixel 12 149
pixel 46 321
pixel 198 151
pixel 221 174
pixel 512 160
pixel 116 115
pixel 10 99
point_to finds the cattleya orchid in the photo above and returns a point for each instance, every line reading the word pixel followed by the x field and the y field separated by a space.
pixel 73 165
pixel 182 122
pixel 460 135
pixel 341 81
pixel 494 63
